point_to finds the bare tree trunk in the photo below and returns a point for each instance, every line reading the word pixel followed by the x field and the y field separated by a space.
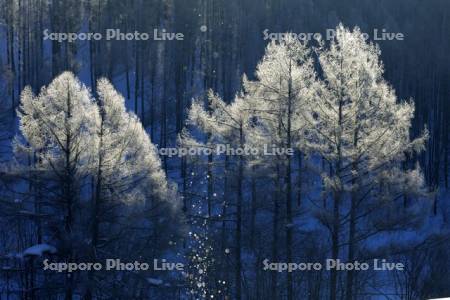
pixel 335 244
pixel 152 106
pixel 144 123
pixel 352 229
pixel 91 46
pixel 275 238
pixel 127 71
pixel 288 179
pixel 223 238
pixel 253 216
pixel 12 64
pixel 299 179
pixel 69 197
pixel 239 203
pixel 56 46
pixel 137 69
pixel 337 201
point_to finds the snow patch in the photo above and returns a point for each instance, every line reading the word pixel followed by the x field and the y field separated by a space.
pixel 154 281
pixel 39 250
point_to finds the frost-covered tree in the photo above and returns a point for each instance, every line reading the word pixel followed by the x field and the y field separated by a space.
pixel 59 127
pixel 126 153
pixel 127 172
pixel 226 124
pixel 358 125
pixel 282 87
pixel 78 140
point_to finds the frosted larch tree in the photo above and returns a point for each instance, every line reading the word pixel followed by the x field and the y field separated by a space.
pixel 358 125
pixel 281 88
pixel 126 167
pixel 59 126
pixel 226 124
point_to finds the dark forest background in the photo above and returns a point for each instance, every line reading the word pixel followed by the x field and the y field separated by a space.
pixel 159 79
